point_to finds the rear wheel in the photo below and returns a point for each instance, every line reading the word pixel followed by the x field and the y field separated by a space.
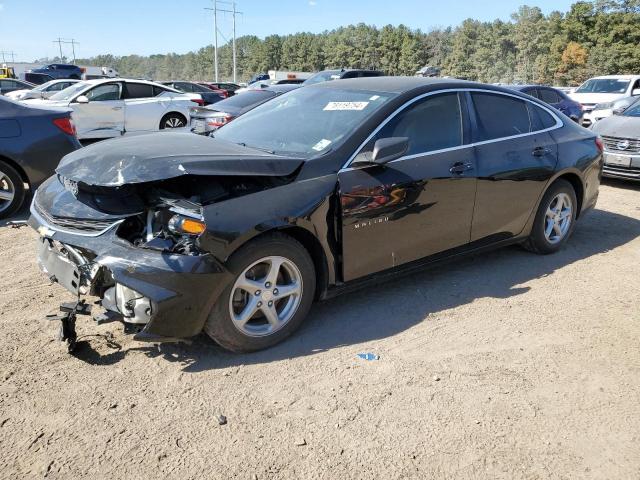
pixel 12 192
pixel 554 220
pixel 173 120
pixel 273 288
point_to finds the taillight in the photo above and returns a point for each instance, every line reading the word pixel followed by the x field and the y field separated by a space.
pixel 599 144
pixel 66 125
pixel 220 121
pixel 199 101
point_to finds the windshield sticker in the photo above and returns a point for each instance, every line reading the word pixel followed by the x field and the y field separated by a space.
pixel 374 98
pixel 321 145
pixel 346 106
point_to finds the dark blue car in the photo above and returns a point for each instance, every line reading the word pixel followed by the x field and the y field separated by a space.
pixel 60 70
pixel 32 142
pixel 551 96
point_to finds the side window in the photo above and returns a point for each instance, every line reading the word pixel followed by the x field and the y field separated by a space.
pixel 434 123
pixel 532 92
pixel 549 96
pixel 500 116
pixel 102 93
pixel 541 119
pixel 185 87
pixel 138 90
pixel 158 90
pixel 5 84
pixel 56 87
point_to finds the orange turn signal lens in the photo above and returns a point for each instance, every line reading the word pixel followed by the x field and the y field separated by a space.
pixel 187 226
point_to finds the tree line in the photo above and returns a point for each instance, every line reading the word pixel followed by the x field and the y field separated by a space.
pixel 593 38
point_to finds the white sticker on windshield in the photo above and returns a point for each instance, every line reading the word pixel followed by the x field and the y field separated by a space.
pixel 374 98
pixel 346 106
pixel 321 145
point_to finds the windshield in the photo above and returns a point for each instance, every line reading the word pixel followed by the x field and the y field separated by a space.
pixel 322 77
pixel 41 88
pixel 604 85
pixel 305 122
pixel 69 92
pixel 633 110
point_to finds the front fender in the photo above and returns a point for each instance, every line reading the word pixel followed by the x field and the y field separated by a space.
pixel 305 204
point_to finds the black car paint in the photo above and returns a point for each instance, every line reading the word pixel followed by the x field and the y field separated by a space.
pixel 31 142
pixel 360 223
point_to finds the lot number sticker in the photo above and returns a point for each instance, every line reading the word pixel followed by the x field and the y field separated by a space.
pixel 346 106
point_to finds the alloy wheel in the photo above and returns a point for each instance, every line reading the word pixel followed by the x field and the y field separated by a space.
pixel 558 218
pixel 266 296
pixel 7 191
pixel 174 122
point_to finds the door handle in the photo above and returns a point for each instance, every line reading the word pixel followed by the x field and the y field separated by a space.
pixel 540 152
pixel 116 108
pixel 459 168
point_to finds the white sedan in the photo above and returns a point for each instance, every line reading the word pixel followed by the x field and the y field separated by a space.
pixel 44 91
pixel 111 107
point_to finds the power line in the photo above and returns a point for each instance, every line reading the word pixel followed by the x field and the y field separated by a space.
pixel 234 12
pixel 73 44
pixel 11 54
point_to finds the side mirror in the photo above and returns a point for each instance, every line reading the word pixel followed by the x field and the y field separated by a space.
pixel 635 92
pixel 618 111
pixel 388 149
pixel 82 99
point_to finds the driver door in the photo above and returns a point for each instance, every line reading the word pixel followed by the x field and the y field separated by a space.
pixel 418 205
pixel 103 115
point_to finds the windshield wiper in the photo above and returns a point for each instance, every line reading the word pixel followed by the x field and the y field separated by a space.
pixel 242 144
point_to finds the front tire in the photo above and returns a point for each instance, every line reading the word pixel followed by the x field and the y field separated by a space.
pixel 12 192
pixel 555 219
pixel 272 292
pixel 173 120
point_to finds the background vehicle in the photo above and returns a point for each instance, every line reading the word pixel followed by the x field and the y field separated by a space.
pixel 229 88
pixel 555 98
pixel 113 107
pixel 7 72
pixel 604 89
pixel 205 120
pixel 45 90
pixel 320 190
pixel 32 142
pixel 36 78
pixel 341 74
pixel 428 71
pixel 621 137
pixel 208 96
pixel 8 85
pixel 60 70
pixel 604 110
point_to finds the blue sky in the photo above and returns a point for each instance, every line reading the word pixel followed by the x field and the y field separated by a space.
pixel 159 26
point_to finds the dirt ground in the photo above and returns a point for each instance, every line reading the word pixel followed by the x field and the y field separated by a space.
pixel 508 365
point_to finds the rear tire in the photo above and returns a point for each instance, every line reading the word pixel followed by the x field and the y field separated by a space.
pixel 279 306
pixel 173 120
pixel 555 219
pixel 12 191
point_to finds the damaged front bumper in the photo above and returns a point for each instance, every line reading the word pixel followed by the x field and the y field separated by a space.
pixel 164 296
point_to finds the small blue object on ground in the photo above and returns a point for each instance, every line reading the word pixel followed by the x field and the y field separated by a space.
pixel 369 356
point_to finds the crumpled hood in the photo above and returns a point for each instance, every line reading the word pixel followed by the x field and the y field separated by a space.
pixel 618 126
pixel 163 155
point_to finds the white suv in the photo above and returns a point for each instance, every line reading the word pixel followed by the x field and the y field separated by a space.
pixel 603 90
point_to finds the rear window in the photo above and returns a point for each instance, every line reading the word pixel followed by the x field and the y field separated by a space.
pixel 549 96
pixel 500 116
pixel 245 99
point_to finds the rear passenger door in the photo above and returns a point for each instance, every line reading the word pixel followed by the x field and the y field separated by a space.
pixel 415 206
pixel 143 110
pixel 516 156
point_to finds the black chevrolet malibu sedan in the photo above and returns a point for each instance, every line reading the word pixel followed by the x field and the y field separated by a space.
pixel 316 192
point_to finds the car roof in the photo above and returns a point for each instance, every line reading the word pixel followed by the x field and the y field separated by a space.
pixel 98 81
pixel 622 77
pixel 400 84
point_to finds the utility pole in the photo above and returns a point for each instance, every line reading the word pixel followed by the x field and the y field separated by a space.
pixel 59 42
pixel 234 12
pixel 11 54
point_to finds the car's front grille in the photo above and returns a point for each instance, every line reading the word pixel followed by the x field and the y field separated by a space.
pixel 620 144
pixel 82 226
pixel 628 172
